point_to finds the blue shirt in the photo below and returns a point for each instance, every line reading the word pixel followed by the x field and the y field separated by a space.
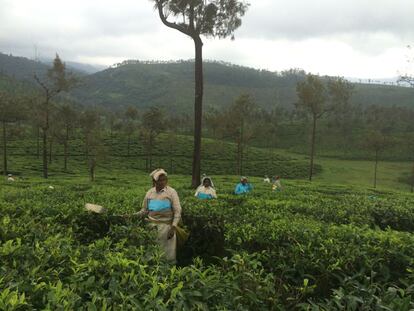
pixel 240 188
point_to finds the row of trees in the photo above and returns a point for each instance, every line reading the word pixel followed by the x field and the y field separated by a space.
pixel 67 123
pixel 321 102
pixel 55 119
pixel 242 122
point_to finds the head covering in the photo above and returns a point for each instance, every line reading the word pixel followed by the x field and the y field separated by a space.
pixel 243 178
pixel 157 173
pixel 206 177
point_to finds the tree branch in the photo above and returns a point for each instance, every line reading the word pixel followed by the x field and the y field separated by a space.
pixel 164 20
pixel 407 79
pixel 46 89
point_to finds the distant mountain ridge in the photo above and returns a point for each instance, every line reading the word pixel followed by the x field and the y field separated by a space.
pixel 76 66
pixel 171 85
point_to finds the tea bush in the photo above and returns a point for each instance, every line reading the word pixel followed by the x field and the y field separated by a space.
pixel 308 247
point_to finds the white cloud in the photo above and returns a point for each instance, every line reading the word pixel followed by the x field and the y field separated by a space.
pixel 363 38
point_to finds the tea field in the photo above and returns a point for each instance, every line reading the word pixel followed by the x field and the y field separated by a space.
pixel 309 247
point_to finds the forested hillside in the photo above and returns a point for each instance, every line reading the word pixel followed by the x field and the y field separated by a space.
pixel 170 85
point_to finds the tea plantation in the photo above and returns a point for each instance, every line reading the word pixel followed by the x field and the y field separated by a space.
pixel 309 247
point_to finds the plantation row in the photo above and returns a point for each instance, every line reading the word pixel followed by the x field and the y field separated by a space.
pixel 218 158
pixel 305 248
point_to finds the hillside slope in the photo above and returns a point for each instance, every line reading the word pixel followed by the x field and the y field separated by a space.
pixel 171 85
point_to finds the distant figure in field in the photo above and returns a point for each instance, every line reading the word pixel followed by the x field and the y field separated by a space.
pixel 10 178
pixel 277 186
pixel 243 186
pixel 266 179
pixel 206 189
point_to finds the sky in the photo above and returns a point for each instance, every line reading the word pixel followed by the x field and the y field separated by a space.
pixel 351 38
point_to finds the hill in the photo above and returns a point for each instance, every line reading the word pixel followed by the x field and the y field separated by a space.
pixel 23 69
pixel 170 85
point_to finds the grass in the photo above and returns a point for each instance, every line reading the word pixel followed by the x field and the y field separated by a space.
pixel 358 173
pixel 361 173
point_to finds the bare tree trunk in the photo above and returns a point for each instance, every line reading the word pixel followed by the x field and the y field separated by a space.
pixel 111 136
pixel 4 149
pixel 241 146
pixel 375 169
pixel 65 156
pixel 150 162
pixel 129 143
pixel 92 164
pixel 171 157
pixel 45 128
pixel 238 156
pixel 150 153
pixel 38 142
pixel 312 148
pixel 198 111
pixel 45 174
pixel 50 151
pixel 65 151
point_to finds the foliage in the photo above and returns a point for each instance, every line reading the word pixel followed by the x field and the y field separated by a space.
pixel 309 247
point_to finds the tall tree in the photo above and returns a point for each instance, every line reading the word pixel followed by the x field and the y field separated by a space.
pixel 172 129
pixel 114 122
pixel 240 126
pixel 197 18
pixel 378 135
pixel 11 111
pixel 376 142
pixel 213 121
pixel 340 92
pixel 312 99
pixel 130 124
pixel 58 80
pixel 410 142
pixel 66 121
pixel 152 124
pixel 90 122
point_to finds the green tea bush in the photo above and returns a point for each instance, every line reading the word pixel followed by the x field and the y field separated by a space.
pixel 308 247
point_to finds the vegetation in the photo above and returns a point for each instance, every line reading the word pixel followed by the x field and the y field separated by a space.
pixel 195 19
pixel 318 246
pixel 309 247
pixel 57 81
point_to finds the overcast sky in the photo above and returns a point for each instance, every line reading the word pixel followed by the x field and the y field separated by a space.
pixel 352 38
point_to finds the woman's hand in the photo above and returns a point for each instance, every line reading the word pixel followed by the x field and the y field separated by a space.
pixel 171 233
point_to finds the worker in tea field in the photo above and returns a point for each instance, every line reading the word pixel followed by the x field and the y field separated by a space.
pixel 243 186
pixel 206 189
pixel 10 178
pixel 276 186
pixel 162 207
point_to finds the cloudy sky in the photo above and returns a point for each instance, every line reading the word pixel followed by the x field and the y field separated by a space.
pixel 352 38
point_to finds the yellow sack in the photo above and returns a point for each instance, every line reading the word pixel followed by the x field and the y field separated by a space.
pixel 182 236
